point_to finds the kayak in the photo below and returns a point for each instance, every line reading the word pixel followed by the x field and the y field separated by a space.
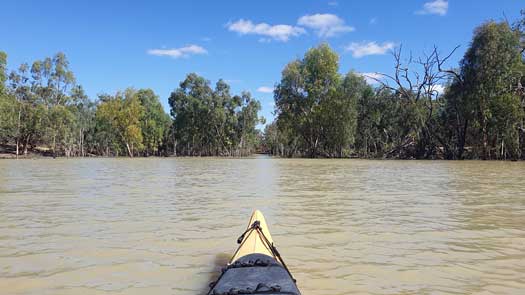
pixel 256 267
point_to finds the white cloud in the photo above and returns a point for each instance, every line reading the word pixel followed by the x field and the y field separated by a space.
pixel 360 49
pixel 325 25
pixel 276 32
pixel 265 89
pixel 371 78
pixel 179 52
pixel 439 7
pixel 440 89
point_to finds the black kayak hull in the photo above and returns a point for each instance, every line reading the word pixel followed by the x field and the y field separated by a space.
pixel 255 274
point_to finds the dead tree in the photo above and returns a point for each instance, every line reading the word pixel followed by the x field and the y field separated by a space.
pixel 418 81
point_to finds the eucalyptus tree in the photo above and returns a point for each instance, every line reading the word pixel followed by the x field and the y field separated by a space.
pixel 519 28
pixel 51 80
pixel 340 115
pixel 154 122
pixel 84 110
pixel 305 89
pixel 42 99
pixel 9 108
pixel 222 119
pixel 316 106
pixel 375 114
pixel 118 121
pixel 488 69
pixel 481 103
pixel 3 71
pixel 188 111
pixel 30 114
pixel 210 121
pixel 247 119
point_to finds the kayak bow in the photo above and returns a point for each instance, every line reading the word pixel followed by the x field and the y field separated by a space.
pixel 256 267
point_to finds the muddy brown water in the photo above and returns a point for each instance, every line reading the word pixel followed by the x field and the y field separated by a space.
pixel 166 226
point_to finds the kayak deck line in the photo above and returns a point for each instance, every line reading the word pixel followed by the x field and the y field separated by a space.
pixel 256 267
pixel 254 242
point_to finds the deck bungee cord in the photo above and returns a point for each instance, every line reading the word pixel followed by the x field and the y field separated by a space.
pixel 269 245
pixel 256 267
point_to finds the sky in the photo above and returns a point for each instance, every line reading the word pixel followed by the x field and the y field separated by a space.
pixel 112 45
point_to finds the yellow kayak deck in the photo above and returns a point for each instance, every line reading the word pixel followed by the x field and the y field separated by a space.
pixel 253 241
pixel 256 267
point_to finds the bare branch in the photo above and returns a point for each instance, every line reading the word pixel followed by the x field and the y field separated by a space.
pixel 441 62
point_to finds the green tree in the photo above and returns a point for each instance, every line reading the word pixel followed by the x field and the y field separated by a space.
pixel 211 122
pixel 340 115
pixel 6 112
pixel 247 120
pixel 51 81
pixel 154 122
pixel 84 110
pixel 29 113
pixel 9 108
pixel 222 120
pixel 519 28
pixel 454 119
pixel 61 128
pixel 41 106
pixel 374 117
pixel 315 106
pixel 486 95
pixel 188 111
pixel 118 118
pixel 3 71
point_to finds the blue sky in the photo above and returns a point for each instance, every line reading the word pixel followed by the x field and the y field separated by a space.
pixel 112 45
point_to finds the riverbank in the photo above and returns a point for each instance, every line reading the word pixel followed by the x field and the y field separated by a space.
pixel 9 152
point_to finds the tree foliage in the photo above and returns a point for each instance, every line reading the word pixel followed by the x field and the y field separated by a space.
pixel 316 106
pixel 119 120
pixel 42 107
pixel 482 109
pixel 320 113
pixel 212 122
pixel 155 123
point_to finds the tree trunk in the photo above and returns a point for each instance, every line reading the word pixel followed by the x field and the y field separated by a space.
pixel 54 146
pixel 17 144
pixel 485 144
pixel 82 153
pixel 462 139
pixel 366 147
pixel 26 144
pixel 130 153
pixel 18 131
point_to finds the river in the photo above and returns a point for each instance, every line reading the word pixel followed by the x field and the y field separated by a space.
pixel 166 226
